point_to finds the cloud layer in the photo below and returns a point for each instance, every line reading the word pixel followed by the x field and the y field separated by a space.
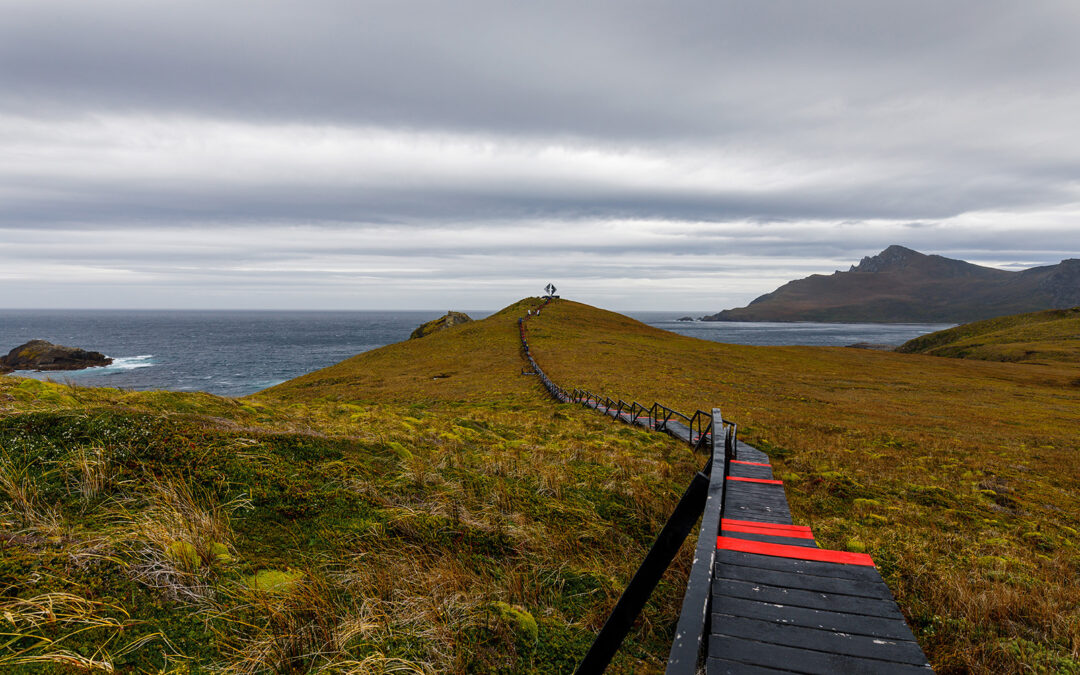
pixel 368 155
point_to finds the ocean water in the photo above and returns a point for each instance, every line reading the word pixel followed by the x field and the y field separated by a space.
pixel 225 353
pixel 799 333
pixel 239 353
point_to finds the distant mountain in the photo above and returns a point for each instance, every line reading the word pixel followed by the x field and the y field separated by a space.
pixel 900 285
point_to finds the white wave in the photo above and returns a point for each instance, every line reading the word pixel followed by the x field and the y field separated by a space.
pixel 131 362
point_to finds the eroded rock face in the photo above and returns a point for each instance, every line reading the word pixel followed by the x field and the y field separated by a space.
pixel 44 355
pixel 442 323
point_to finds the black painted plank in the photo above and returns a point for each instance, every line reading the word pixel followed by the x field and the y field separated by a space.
pixel 899 651
pixel 750 500
pixel 764 500
pixel 757 511
pixel 797 597
pixel 758 490
pixel 777 487
pixel 744 495
pixel 763 516
pixel 804 660
pixel 774 517
pixel 725 667
pixel 754 520
pixel 771 539
pixel 774 494
pixel 807 582
pixel 759 500
pixel 678 430
pixel 763 505
pixel 749 453
pixel 824 569
pixel 749 471
pixel 858 624
pixel 746 506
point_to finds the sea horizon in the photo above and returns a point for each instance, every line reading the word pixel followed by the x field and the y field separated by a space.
pixel 239 352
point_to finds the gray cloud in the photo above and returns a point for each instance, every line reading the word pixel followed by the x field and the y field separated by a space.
pixel 632 139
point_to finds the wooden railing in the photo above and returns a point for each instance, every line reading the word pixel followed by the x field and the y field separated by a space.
pixel 704 497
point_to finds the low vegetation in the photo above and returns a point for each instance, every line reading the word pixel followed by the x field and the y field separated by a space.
pixel 1039 338
pixel 167 532
pixel 959 477
pixel 424 507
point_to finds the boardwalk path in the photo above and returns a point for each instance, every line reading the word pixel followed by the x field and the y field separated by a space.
pixel 778 603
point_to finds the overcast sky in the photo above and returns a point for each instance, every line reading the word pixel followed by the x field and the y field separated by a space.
pixel 435 155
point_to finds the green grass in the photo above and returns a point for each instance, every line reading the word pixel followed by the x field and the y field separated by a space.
pixel 425 506
pixel 1045 338
pixel 276 534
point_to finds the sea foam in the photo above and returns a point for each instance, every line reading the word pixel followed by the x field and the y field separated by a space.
pixel 129 363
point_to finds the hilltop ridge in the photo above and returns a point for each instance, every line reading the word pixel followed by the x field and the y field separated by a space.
pixel 901 285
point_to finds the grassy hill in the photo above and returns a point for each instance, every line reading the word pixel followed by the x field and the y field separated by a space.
pixel 958 477
pixel 424 507
pixel 1041 337
pixel 381 525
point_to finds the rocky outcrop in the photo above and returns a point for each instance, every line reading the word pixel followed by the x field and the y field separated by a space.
pixel 442 323
pixel 43 355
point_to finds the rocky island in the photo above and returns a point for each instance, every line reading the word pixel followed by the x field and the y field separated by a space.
pixel 44 355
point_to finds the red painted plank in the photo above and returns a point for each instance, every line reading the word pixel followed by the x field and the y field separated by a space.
pixel 724 522
pixel 739 461
pixel 797 552
pixel 768 481
pixel 793 534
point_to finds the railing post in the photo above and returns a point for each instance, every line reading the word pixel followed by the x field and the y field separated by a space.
pixel 690 637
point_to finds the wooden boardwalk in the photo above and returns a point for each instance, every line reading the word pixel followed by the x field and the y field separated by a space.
pixel 766 599
pixel 781 604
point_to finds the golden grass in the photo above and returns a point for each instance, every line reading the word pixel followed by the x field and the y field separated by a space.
pixel 959 477
pixel 1047 338
pixel 432 536
pixel 477 360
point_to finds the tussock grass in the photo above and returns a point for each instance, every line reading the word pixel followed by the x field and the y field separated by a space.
pixel 38 629
pixel 178 542
pixel 23 511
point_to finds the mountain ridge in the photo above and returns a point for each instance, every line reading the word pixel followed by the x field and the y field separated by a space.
pixel 900 285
